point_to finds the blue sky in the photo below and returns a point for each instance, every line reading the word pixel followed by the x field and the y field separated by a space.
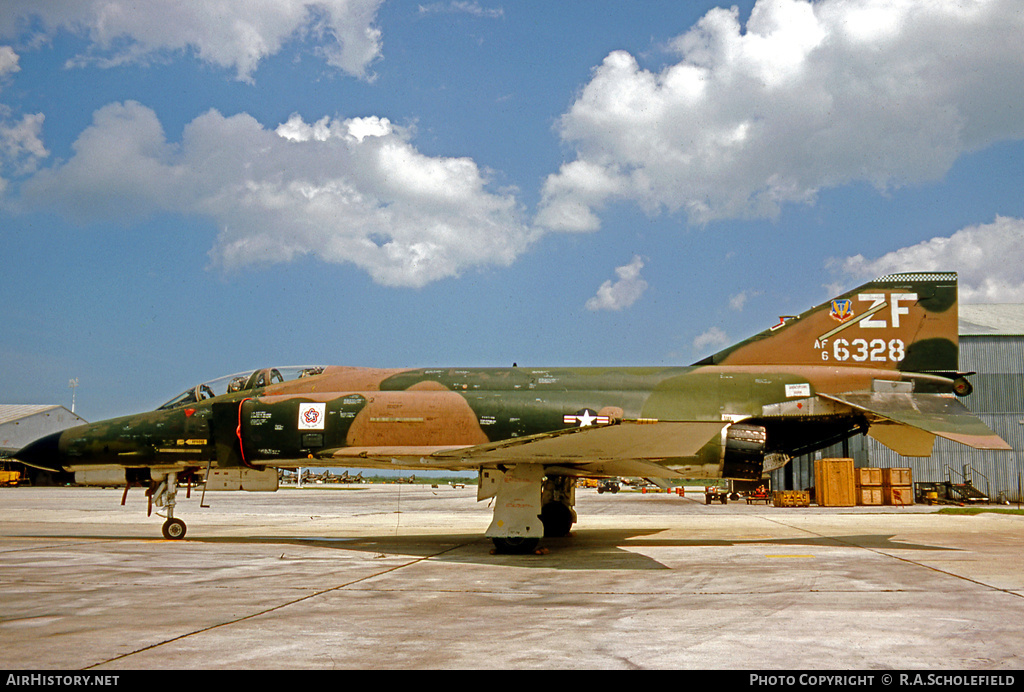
pixel 191 189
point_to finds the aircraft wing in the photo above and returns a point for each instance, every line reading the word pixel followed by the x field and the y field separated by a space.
pixel 927 415
pixel 627 448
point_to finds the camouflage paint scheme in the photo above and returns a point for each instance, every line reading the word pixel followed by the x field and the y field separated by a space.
pixel 881 359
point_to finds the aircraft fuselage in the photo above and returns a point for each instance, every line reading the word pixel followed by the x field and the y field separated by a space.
pixel 424 410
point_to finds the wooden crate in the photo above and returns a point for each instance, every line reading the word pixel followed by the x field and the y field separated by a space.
pixel 898 495
pixel 897 477
pixel 868 482
pixel 791 498
pixel 867 476
pixel 869 496
pixel 833 483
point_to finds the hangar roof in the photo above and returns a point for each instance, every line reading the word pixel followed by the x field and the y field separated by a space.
pixel 13 412
pixel 992 318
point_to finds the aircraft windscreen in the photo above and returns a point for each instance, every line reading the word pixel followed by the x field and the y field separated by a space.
pixel 240 382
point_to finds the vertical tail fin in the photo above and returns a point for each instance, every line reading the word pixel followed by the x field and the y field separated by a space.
pixel 899 322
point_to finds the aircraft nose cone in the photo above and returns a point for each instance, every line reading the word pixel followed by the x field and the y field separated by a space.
pixel 44 453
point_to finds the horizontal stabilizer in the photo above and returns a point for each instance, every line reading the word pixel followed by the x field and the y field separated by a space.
pixel 937 414
pixel 902 439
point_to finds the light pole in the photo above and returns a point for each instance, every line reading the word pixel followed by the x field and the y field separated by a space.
pixel 73 384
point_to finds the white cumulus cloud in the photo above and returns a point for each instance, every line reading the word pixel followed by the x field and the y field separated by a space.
pixel 739 301
pixel 988 259
pixel 346 191
pixel 805 96
pixel 620 294
pixel 21 142
pixel 462 7
pixel 233 35
pixel 713 339
pixel 8 61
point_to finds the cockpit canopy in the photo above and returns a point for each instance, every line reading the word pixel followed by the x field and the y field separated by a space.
pixel 241 382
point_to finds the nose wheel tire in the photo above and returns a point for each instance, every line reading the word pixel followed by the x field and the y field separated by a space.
pixel 174 529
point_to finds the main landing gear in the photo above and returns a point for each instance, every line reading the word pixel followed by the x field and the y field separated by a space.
pixel 527 507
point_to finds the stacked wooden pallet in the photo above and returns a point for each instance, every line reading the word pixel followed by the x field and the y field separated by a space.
pixel 791 498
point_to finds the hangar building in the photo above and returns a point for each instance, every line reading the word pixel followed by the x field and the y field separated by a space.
pixel 24 423
pixel 992 346
pixel 21 424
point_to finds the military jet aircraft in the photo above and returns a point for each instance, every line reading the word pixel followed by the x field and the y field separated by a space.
pixel 881 359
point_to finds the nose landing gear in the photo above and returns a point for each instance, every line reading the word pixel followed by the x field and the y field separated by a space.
pixel 164 496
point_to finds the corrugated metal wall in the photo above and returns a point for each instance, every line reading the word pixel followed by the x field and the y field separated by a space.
pixel 998 399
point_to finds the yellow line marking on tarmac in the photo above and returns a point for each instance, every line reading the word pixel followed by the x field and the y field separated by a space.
pixel 789 556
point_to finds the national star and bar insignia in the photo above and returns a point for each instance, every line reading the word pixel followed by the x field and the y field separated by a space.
pixel 585 418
